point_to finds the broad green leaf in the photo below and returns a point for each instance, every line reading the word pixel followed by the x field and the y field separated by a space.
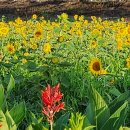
pixel 11 84
pixel 86 122
pixel 116 119
pixel 3 121
pixel 115 92
pixel 31 66
pixel 10 121
pixel 7 65
pixel 62 121
pixel 18 112
pixel 89 127
pixel 97 111
pixel 125 128
pixel 29 127
pixel 121 128
pixel 119 101
pixel 39 127
pixel 1 95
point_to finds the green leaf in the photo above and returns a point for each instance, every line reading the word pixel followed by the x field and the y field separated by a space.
pixel 125 128
pixel 39 127
pixel 119 101
pixel 97 110
pixel 31 66
pixel 89 128
pixel 18 112
pixel 115 92
pixel 3 121
pixel 10 121
pixel 7 65
pixel 11 84
pixel 62 121
pixel 29 127
pixel 1 95
pixel 65 64
pixel 116 119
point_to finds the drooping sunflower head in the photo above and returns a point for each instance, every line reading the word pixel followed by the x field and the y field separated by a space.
pixel 95 66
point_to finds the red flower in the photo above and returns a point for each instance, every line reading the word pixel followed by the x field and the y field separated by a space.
pixel 51 101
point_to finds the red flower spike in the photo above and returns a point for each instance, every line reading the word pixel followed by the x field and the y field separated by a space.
pixel 51 102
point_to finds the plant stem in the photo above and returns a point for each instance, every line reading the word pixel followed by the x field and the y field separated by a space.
pixel 51 123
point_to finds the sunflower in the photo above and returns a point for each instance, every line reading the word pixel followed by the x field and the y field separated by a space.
pixel 76 17
pixel 55 60
pixel 95 67
pixel 4 31
pixel 119 44
pixel 93 44
pixel 60 39
pixel 47 47
pixel 26 54
pixel 38 34
pixel 34 16
pixel 10 48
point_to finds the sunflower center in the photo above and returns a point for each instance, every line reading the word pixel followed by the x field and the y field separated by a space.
pixel 96 66
pixel 38 34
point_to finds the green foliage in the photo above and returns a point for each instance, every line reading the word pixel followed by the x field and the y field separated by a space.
pixel 76 122
pixel 11 84
pixel 36 124
pixel 18 112
pixel 100 114
pixel 1 95
pixel 61 121
pixel 10 119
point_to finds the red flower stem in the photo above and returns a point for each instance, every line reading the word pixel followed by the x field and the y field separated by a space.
pixel 51 124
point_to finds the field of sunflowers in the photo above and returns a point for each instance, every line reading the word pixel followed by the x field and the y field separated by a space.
pixel 64 74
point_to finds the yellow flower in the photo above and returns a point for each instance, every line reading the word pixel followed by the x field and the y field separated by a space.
pixel 33 46
pixel 93 44
pixel 34 16
pixel 64 16
pixel 85 22
pixel 127 42
pixel 26 54
pixel 119 45
pixel 10 48
pixel 38 34
pixel 75 17
pixel 128 62
pixel 95 67
pixel 24 61
pixel 47 48
pixel 19 21
pixel 60 39
pixel 128 30
pixel 79 32
pixel 4 31
pixel 55 60
pixel 81 18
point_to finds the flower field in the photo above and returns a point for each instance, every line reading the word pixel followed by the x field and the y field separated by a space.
pixel 87 62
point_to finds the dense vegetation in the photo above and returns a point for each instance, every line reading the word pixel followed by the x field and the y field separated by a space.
pixel 89 59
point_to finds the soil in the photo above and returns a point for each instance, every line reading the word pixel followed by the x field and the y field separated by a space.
pixel 27 8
